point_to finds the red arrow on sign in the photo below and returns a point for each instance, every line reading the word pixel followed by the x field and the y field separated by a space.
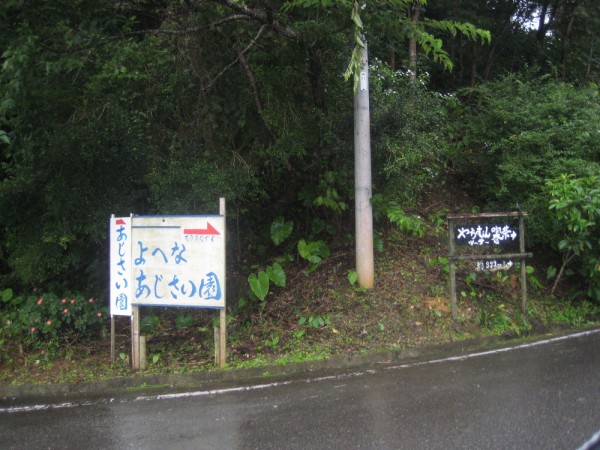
pixel 208 230
pixel 120 222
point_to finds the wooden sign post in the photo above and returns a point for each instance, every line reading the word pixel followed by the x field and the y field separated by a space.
pixel 476 231
pixel 172 261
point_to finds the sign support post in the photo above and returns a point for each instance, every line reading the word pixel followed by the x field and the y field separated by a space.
pixel 452 272
pixel 223 311
pixel 523 265
pixel 135 338
pixel 120 274
pixel 112 339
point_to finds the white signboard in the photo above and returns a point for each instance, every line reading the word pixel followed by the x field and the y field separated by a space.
pixel 485 235
pixel 120 266
pixel 492 265
pixel 167 261
pixel 178 261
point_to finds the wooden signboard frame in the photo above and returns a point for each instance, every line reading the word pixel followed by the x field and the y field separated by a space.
pixel 453 258
pixel 119 275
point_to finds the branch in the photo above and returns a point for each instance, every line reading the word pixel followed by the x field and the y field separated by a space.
pixel 183 31
pixel 260 16
pixel 235 61
pixel 566 260
pixel 256 92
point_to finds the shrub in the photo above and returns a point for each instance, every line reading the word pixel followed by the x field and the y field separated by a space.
pixel 38 318
pixel 512 135
pixel 575 203
pixel 408 133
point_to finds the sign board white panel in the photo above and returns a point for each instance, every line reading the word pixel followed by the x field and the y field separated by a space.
pixel 120 266
pixel 485 235
pixel 178 261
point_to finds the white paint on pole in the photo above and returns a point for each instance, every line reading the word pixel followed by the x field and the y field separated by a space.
pixel 120 266
pixel 179 261
pixel 364 80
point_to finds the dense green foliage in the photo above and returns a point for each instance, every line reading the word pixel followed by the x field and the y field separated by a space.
pixel 163 106
pixel 576 206
pixel 38 320
pixel 514 135
pixel 409 133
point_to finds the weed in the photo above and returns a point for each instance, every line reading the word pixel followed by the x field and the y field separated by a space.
pixel 315 321
pixel 183 321
pixel 437 290
pixel 149 324
pixel 409 224
pixel 442 263
pixel 272 343
pixel 298 334
pixel 438 220
pixel 352 277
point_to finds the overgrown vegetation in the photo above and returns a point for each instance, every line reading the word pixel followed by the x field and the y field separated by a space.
pixel 318 314
pixel 162 107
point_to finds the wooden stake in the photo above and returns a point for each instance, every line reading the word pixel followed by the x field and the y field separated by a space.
pixel 143 364
pixel 135 338
pixel 523 265
pixel 112 339
pixel 452 270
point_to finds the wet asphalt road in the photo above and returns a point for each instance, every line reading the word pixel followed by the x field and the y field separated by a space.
pixel 540 396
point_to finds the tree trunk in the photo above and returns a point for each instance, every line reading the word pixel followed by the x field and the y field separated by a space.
pixel 566 36
pixel 541 31
pixel 415 12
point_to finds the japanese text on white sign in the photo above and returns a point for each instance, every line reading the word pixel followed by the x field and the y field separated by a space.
pixel 485 235
pixel 120 266
pixel 175 261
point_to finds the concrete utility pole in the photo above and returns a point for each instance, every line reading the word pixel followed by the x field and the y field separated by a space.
pixel 365 267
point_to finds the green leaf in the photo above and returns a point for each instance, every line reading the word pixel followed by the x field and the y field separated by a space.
pixel 183 321
pixel 313 251
pixel 259 284
pixel 6 294
pixel 4 139
pixel 281 230
pixel 303 249
pixel 276 274
pixel 352 277
pixel 355 16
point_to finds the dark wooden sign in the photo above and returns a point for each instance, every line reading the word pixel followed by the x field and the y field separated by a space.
pixel 483 231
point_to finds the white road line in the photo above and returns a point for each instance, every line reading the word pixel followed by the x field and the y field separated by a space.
pixel 211 391
pixel 41 407
pixel 496 351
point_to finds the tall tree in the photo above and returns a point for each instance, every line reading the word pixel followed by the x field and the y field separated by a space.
pixel 163 106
